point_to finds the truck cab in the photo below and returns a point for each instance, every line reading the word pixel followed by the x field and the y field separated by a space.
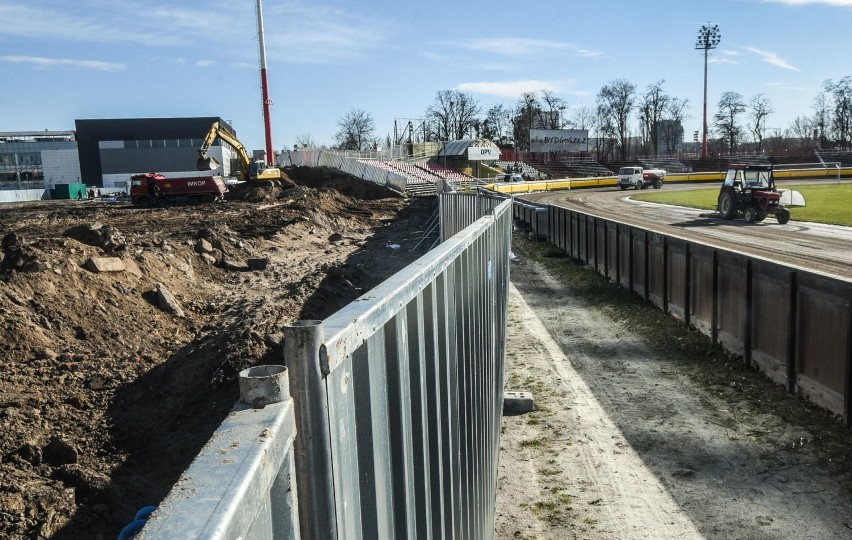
pixel 639 178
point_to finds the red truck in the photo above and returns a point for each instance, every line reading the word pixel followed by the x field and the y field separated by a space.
pixel 154 189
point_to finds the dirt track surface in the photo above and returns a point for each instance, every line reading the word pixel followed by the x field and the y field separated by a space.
pixel 631 439
pixel 107 392
pixel 811 246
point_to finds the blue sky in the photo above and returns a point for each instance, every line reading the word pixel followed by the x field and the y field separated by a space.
pixel 61 60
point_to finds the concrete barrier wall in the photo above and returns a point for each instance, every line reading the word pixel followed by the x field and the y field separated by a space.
pixel 794 325
pixel 21 195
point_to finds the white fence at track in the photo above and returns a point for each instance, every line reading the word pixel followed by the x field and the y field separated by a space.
pixel 393 427
pixel 350 165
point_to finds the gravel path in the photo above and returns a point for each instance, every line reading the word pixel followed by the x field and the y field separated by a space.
pixel 624 444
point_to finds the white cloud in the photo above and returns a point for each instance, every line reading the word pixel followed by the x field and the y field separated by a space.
pixel 519 47
pixel 204 63
pixel 47 63
pixel 309 33
pixel 716 60
pixel 772 58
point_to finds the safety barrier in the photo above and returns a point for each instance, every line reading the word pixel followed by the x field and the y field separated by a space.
pixel 831 173
pixel 794 324
pixel 21 195
pixel 397 401
pixel 349 165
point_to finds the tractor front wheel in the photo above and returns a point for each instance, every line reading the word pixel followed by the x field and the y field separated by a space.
pixel 639 185
pixel 782 215
pixel 726 205
pixel 761 215
pixel 750 214
pixel 622 186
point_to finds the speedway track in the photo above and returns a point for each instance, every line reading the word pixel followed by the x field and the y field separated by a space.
pixel 815 247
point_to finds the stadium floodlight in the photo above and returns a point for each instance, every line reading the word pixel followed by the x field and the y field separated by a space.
pixel 708 38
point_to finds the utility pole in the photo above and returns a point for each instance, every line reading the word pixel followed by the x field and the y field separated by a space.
pixel 708 38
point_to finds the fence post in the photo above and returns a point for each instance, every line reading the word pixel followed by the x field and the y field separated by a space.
pixel 303 348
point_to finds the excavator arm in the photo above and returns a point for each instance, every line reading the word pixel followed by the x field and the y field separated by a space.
pixel 248 170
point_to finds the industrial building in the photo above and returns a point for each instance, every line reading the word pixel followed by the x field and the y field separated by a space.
pixel 38 159
pixel 106 152
pixel 112 150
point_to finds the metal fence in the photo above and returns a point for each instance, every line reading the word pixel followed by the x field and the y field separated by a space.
pixel 397 401
pixel 795 325
pixel 345 163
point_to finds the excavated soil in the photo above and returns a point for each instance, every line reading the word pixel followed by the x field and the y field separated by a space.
pixel 123 330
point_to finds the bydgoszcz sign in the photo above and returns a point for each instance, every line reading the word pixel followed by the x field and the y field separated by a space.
pixel 559 140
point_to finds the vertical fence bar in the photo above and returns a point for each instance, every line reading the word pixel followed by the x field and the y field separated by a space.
pixel 302 342
pixel 749 318
pixel 714 317
pixel 687 285
pixel 792 326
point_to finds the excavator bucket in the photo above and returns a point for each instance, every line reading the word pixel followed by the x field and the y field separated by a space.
pixel 206 163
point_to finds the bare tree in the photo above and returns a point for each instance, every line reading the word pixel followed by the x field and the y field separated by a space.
pixel 583 118
pixel 454 113
pixel 527 117
pixel 615 102
pixel 730 106
pixel 652 107
pixel 355 131
pixel 820 119
pixel 759 107
pixel 498 123
pixel 801 131
pixel 841 115
pixel 306 140
pixel 672 127
pixel 552 108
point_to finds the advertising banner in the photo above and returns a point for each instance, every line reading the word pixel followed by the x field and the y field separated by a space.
pixel 559 140
pixel 483 153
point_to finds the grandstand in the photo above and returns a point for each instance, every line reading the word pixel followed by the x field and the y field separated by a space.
pixel 844 157
pixel 567 166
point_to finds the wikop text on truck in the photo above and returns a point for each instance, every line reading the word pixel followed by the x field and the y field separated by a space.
pixel 154 189
pixel 639 178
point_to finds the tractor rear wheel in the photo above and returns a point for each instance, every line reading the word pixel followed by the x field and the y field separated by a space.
pixel 782 215
pixel 658 183
pixel 726 205
pixel 750 214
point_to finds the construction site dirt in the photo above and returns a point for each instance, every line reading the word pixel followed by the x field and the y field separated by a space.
pixel 123 330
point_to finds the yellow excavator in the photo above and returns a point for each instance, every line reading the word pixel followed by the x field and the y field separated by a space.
pixel 250 170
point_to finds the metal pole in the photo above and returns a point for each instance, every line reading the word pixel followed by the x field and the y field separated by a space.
pixel 312 446
pixel 704 131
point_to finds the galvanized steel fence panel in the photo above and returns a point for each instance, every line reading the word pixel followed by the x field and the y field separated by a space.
pixel 412 376
pixel 397 399
pixel 241 485
pixel 795 325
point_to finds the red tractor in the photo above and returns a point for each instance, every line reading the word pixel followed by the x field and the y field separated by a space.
pixel 749 191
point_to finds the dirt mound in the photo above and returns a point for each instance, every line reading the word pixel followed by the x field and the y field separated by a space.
pixel 124 329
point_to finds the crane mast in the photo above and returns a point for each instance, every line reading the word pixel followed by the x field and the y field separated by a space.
pixel 264 88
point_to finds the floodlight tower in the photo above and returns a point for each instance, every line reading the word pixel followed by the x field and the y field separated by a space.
pixel 264 88
pixel 708 38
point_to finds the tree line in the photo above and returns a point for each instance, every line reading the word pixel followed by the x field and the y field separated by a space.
pixel 624 121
